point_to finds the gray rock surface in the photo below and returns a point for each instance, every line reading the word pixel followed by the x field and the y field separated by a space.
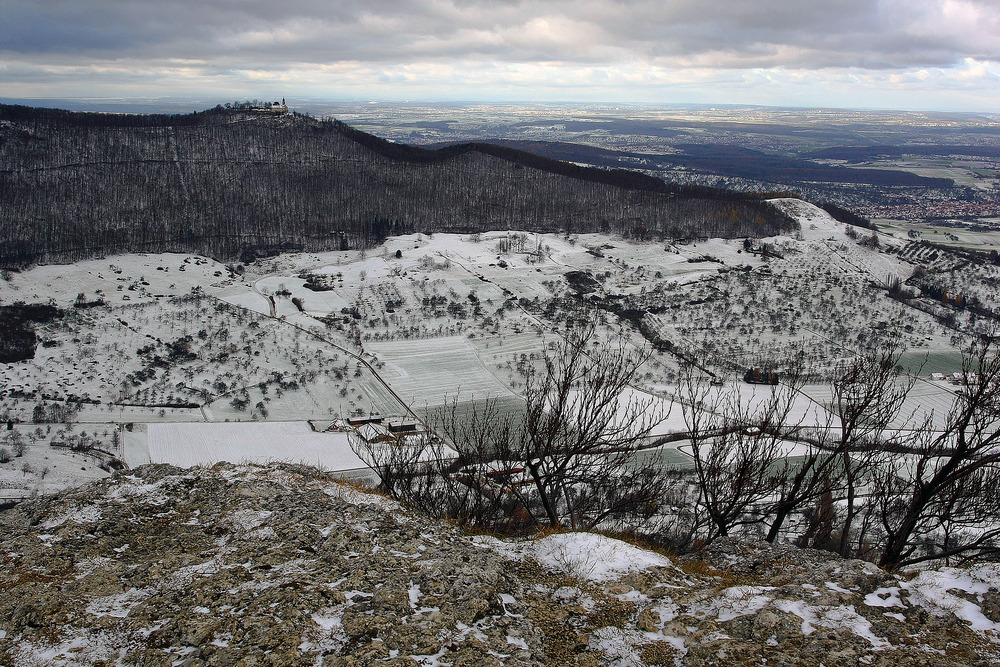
pixel 283 565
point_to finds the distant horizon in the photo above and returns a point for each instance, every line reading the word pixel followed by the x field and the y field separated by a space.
pixel 179 104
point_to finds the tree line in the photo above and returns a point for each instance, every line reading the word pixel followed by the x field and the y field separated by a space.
pixel 227 181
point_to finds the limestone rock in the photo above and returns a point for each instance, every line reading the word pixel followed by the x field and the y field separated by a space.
pixel 283 565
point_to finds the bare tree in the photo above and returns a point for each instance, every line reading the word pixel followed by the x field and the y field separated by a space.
pixel 567 457
pixel 739 450
pixel 805 484
pixel 868 398
pixel 583 424
pixel 893 485
pixel 943 499
pixel 428 477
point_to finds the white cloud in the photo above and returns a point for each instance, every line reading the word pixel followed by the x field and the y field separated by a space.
pixel 782 51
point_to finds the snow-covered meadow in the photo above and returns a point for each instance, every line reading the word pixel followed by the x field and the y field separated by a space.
pixel 191 444
pixel 152 340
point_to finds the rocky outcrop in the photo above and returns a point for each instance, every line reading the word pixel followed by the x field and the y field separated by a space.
pixel 283 565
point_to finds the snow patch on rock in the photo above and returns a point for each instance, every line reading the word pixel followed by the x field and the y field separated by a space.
pixel 588 556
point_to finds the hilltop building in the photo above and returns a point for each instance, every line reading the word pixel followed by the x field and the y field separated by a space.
pixel 279 108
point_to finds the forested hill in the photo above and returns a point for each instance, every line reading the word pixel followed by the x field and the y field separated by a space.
pixel 228 183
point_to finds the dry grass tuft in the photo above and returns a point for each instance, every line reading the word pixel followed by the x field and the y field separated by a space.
pixel 658 653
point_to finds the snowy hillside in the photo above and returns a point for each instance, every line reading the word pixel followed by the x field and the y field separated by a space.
pixel 424 320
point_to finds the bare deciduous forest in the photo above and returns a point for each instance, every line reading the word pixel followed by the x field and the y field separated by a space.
pixel 231 182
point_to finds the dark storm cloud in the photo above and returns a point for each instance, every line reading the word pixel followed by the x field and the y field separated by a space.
pixel 712 33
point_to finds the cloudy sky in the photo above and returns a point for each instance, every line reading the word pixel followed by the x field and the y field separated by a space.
pixel 895 54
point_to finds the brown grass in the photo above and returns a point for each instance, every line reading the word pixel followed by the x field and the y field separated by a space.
pixel 658 653
pixel 358 485
pixel 640 541
pixel 726 578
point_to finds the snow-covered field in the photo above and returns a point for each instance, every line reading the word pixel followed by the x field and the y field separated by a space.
pixel 187 444
pixel 185 340
pixel 433 371
pixel 37 467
